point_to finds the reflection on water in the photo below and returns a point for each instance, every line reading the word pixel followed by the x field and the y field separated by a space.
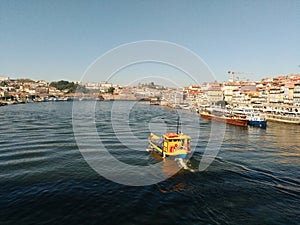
pixel 254 179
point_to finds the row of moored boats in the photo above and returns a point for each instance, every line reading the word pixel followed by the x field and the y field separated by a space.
pixel 242 116
pixel 245 116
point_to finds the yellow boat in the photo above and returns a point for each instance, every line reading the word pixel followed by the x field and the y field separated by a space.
pixel 170 144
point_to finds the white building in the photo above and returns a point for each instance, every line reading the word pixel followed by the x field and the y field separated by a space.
pixel 4 79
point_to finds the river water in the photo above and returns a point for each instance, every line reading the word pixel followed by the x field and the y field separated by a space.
pixel 44 178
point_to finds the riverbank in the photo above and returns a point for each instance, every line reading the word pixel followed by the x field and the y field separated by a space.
pixel 10 102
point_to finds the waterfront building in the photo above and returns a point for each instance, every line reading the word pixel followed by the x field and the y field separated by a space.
pixel 228 90
pixel 4 79
pixel 41 90
pixel 275 94
pixel 244 94
pixel 54 91
pixel 288 93
pixel 255 98
pixel 296 94
pixel 262 93
pixel 126 93
pixel 42 83
pixel 93 85
pixel 3 93
pixel 30 90
pixel 214 92
pixel 190 95
pixel 104 86
pixel 177 97
pixel 173 97
pixel 245 97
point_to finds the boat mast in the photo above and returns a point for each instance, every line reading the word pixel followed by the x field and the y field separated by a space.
pixel 178 125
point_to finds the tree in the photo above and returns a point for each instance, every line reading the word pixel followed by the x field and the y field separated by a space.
pixel 83 89
pixel 111 90
pixel 222 103
pixel 64 85
pixel 3 83
pixel 151 85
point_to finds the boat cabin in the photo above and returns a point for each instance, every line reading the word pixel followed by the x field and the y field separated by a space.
pixel 176 144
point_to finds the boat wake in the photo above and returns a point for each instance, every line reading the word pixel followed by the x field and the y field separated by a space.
pixel 182 163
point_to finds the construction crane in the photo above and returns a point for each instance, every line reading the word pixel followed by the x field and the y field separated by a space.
pixel 234 72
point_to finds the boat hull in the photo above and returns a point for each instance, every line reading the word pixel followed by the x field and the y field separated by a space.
pixel 255 123
pixel 283 119
pixel 227 120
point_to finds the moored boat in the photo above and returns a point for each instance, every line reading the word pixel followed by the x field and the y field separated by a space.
pixel 222 115
pixel 257 121
pixel 254 119
pixel 284 117
pixel 154 101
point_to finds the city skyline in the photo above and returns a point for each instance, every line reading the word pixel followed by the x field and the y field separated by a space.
pixel 60 40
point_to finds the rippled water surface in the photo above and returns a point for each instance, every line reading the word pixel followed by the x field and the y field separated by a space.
pixel 44 179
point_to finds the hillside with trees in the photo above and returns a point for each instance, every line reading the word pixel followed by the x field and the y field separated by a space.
pixel 67 86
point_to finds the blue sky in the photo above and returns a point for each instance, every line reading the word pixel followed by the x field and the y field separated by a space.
pixel 55 40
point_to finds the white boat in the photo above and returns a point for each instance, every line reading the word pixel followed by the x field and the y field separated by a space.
pixel 283 116
pixel 185 106
pixel 253 117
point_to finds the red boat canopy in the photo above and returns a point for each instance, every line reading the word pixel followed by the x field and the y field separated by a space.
pixel 171 135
